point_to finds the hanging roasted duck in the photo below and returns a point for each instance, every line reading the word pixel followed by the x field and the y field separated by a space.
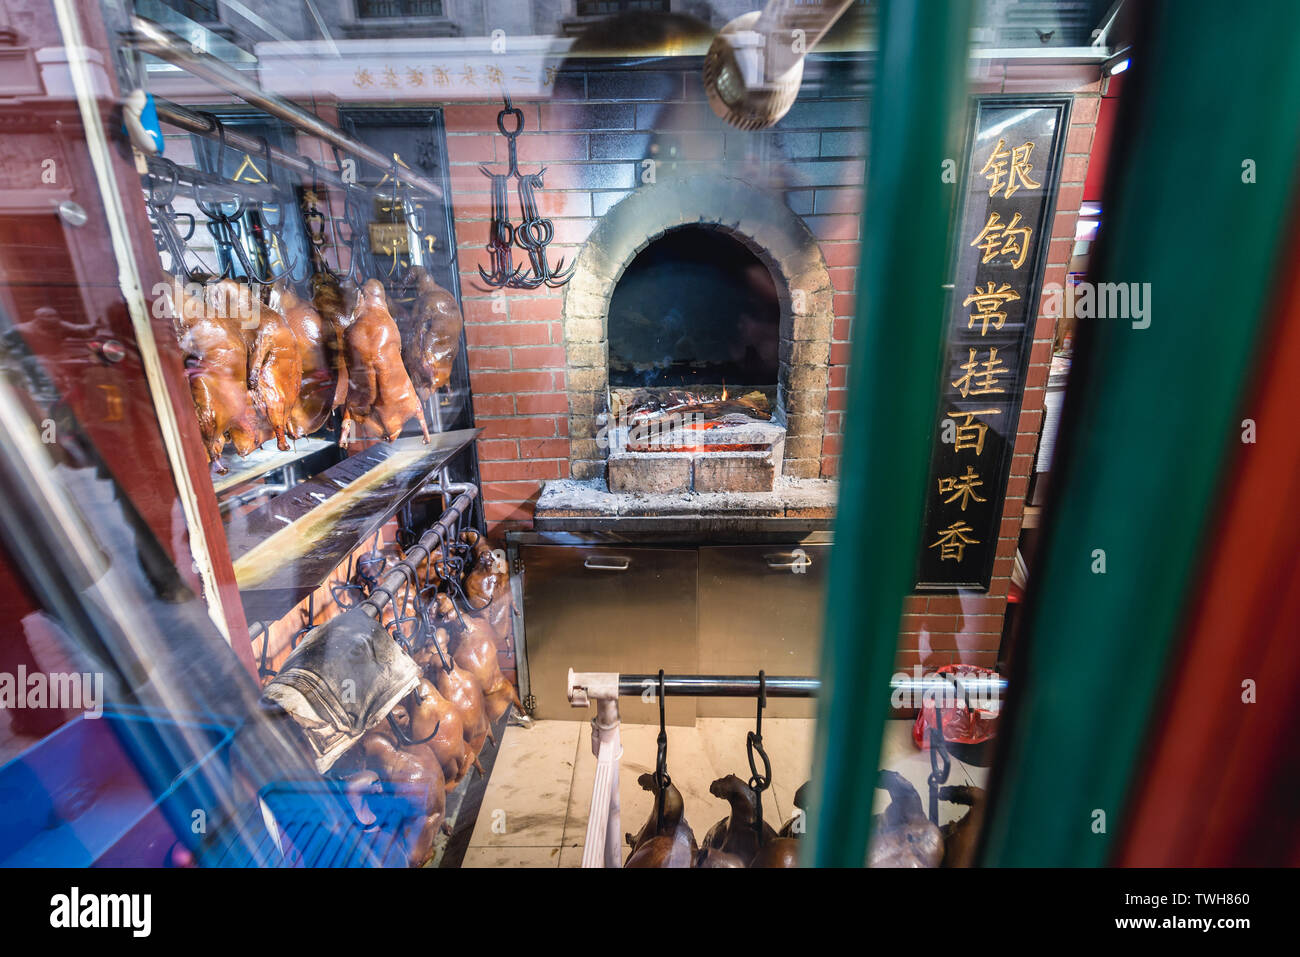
pixel 216 364
pixel 903 836
pixel 380 395
pixel 737 834
pixel 487 588
pixel 416 778
pixel 462 689
pixel 474 648
pixel 274 369
pixel 662 843
pixel 432 714
pixel 434 332
pixel 320 354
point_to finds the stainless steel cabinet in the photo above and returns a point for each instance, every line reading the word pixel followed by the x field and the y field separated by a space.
pixel 594 608
pixel 692 609
pixel 760 606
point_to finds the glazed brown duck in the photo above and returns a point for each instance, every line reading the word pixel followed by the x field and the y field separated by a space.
pixel 736 834
pixel 419 782
pixel 431 713
pixel 462 689
pixel 320 353
pixel 475 650
pixel 903 835
pixel 274 369
pixel 216 363
pixel 380 395
pixel 673 844
pixel 778 852
pixel 435 328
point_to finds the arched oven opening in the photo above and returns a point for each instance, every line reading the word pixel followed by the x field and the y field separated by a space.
pixel 694 333
pixel 695 310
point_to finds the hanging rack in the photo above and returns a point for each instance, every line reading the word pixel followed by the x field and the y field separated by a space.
pixel 603 847
pixel 148 37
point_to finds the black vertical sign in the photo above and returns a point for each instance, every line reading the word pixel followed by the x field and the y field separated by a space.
pixel 1005 227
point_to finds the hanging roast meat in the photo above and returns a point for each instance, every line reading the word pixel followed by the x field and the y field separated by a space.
pixel 320 353
pixel 903 835
pixel 274 369
pixel 435 328
pixel 487 588
pixel 960 837
pixel 334 300
pixel 418 782
pixel 474 649
pixel 778 852
pixel 736 834
pixel 431 713
pixel 462 689
pixel 380 397
pixel 669 845
pixel 216 363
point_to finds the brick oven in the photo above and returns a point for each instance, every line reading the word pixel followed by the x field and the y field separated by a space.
pixel 635 160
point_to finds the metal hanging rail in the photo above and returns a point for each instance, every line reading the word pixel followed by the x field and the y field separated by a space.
pixel 173 114
pixel 444 530
pixel 603 846
pixel 585 686
pixel 150 38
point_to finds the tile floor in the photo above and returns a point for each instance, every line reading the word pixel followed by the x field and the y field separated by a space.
pixel 535 809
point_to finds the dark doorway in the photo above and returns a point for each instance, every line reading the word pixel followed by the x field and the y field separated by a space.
pixel 694 308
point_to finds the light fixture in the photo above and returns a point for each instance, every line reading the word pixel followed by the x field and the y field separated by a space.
pixel 1117 63
pixel 754 66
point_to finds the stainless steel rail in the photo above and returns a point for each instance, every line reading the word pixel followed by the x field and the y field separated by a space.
pixel 584 686
pixel 173 114
pixel 150 38
pixel 443 530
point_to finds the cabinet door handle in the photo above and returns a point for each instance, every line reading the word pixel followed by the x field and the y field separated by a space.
pixel 797 561
pixel 611 564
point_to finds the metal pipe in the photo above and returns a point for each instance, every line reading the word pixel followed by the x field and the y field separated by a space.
pixel 440 531
pixel 604 686
pixel 173 114
pixel 149 38
pixel 719 686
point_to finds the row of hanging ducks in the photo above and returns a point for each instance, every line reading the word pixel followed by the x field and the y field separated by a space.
pixel 453 627
pixel 266 362
pixel 902 836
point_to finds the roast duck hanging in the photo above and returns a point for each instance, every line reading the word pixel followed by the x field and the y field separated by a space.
pixel 428 712
pixel 380 396
pixel 431 337
pixel 666 839
pixel 268 363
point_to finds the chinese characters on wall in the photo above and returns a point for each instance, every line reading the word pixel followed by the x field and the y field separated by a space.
pixel 1004 224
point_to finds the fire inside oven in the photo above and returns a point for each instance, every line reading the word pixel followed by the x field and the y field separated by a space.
pixel 694 332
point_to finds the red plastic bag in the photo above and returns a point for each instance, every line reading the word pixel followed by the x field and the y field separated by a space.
pixel 966 720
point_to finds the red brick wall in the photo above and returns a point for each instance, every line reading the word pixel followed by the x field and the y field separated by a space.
pixel 587 138
pixel 591 134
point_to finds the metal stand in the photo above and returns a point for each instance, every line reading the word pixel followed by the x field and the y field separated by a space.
pixel 602 847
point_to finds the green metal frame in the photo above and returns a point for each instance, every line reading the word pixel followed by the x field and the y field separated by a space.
pixel 917 120
pixel 1152 415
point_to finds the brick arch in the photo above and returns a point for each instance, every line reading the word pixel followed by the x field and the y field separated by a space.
pixel 764 224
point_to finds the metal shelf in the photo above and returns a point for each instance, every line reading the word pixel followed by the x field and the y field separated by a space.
pixel 287 548
pixel 261 461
